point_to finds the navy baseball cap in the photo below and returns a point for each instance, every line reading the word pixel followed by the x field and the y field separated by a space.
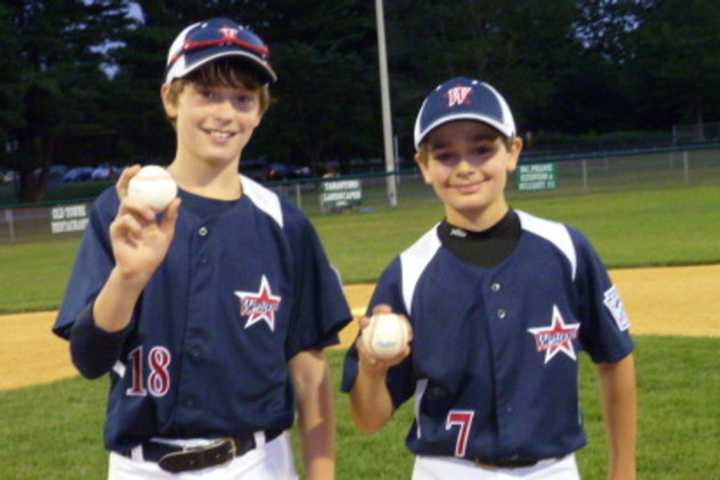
pixel 463 98
pixel 205 41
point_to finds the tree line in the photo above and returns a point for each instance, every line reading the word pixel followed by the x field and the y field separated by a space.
pixel 80 80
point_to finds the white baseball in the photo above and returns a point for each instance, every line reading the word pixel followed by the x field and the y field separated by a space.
pixel 153 186
pixel 386 335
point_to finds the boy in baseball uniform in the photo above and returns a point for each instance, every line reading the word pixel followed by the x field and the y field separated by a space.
pixel 210 318
pixel 501 304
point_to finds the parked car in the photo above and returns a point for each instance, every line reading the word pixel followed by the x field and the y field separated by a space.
pixel 255 168
pixel 7 176
pixel 57 170
pixel 78 174
pixel 282 171
pixel 101 172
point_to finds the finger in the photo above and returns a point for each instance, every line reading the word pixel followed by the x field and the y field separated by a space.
pixel 138 209
pixel 122 184
pixel 409 328
pixel 382 308
pixel 363 322
pixel 127 225
pixel 167 225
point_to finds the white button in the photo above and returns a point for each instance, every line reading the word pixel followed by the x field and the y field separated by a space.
pixel 501 313
pixel 203 231
pixel 495 287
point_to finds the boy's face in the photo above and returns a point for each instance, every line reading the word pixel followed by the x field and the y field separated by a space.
pixel 213 123
pixel 467 166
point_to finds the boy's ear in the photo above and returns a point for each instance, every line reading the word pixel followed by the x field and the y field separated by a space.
pixel 423 168
pixel 516 148
pixel 169 105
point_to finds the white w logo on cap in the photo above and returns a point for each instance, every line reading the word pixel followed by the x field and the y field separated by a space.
pixel 458 95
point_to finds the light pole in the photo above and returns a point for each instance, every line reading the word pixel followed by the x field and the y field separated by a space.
pixel 385 97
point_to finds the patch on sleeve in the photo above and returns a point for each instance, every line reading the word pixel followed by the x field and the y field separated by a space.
pixel 614 303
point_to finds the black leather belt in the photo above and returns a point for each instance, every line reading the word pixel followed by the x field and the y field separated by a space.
pixel 175 459
pixel 509 462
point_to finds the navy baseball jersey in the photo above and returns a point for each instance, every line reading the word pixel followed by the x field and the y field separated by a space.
pixel 494 363
pixel 245 286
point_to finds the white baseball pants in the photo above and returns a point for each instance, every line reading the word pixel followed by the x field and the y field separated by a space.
pixel 272 461
pixel 443 468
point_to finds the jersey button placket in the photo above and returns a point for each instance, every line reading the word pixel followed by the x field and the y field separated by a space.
pixel 195 352
pixel 197 304
pixel 203 232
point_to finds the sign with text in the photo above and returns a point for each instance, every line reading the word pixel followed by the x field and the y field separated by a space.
pixel 68 218
pixel 340 194
pixel 541 176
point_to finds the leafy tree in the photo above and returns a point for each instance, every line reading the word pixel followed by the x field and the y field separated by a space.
pixel 326 96
pixel 675 62
pixel 9 83
pixel 521 47
pixel 57 50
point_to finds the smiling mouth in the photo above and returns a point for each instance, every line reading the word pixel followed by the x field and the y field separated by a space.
pixel 219 134
pixel 468 186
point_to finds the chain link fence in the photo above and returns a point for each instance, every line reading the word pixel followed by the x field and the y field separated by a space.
pixel 545 176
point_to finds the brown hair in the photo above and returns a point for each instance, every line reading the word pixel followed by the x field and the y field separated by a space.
pixel 222 72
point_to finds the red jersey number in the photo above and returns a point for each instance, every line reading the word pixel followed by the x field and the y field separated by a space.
pixel 158 382
pixel 462 419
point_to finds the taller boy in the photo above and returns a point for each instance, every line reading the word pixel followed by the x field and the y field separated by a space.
pixel 501 303
pixel 210 319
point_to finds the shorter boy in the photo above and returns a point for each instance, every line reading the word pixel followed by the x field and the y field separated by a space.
pixel 501 303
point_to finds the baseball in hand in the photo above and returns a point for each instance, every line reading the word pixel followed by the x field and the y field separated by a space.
pixel 386 335
pixel 153 186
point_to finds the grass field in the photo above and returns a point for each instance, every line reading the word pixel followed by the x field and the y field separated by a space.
pixel 671 226
pixel 54 431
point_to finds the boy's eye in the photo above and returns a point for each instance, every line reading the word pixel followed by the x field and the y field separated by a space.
pixel 485 149
pixel 244 99
pixel 209 94
pixel 444 157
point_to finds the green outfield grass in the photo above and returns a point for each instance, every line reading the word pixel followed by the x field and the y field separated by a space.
pixel 55 430
pixel 671 226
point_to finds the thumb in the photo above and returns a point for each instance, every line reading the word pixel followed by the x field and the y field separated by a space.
pixel 167 225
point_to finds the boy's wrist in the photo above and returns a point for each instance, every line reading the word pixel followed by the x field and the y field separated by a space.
pixel 376 372
pixel 134 282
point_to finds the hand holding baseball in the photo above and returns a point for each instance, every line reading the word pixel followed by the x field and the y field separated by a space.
pixel 385 339
pixel 140 239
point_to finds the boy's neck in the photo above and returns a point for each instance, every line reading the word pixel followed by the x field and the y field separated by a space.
pixel 218 181
pixel 477 221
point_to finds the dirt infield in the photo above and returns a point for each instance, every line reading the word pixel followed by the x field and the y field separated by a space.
pixel 660 301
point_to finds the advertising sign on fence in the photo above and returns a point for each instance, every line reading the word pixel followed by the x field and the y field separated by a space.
pixel 340 194
pixel 541 176
pixel 68 218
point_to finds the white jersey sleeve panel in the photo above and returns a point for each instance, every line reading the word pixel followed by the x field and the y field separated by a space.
pixel 554 232
pixel 265 199
pixel 413 262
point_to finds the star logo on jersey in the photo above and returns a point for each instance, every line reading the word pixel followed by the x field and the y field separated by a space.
pixel 557 337
pixel 259 306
